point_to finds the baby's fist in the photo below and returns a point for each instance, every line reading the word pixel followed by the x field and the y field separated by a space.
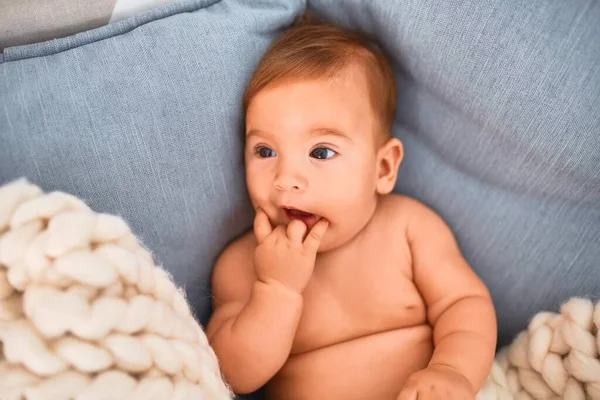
pixel 283 254
pixel 437 383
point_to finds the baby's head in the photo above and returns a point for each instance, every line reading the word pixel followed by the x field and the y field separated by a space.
pixel 319 114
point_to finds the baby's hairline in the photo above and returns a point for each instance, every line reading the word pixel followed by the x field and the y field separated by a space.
pixel 316 49
pixel 346 72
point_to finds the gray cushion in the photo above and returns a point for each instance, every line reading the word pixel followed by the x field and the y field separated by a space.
pixel 24 22
pixel 142 118
pixel 499 114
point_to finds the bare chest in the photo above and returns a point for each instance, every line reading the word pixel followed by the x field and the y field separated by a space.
pixel 355 293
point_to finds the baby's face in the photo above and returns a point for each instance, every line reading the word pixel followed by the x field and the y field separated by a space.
pixel 311 153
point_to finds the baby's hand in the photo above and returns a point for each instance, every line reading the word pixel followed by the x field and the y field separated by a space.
pixel 437 383
pixel 283 255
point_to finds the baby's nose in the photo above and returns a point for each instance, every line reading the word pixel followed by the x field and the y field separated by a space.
pixel 287 183
pixel 291 179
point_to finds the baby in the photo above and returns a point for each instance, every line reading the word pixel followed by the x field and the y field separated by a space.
pixel 343 290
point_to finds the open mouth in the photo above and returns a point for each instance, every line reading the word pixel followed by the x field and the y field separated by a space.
pixel 308 218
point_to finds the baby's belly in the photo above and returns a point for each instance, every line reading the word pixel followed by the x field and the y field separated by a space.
pixel 370 367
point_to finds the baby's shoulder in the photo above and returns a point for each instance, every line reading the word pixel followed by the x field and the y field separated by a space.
pixel 242 246
pixel 415 218
pixel 233 273
pixel 398 208
pixel 401 213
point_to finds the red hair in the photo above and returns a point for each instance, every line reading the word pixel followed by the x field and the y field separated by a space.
pixel 315 49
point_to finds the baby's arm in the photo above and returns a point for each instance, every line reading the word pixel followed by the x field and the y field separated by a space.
pixel 253 323
pixel 459 305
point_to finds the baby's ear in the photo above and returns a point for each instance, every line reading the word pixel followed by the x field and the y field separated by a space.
pixel 389 157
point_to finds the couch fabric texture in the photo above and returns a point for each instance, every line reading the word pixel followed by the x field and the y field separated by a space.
pixel 498 111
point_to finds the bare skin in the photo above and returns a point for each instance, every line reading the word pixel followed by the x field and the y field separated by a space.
pixel 357 293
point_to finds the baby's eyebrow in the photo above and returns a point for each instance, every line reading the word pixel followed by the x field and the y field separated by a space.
pixel 329 131
pixel 256 132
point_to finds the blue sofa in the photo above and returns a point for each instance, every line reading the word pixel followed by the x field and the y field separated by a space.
pixel 499 112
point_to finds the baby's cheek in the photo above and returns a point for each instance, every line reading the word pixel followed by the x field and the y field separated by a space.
pixel 256 179
pixel 258 197
pixel 346 185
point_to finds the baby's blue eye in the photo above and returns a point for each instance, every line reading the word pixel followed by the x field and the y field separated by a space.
pixel 322 153
pixel 265 152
